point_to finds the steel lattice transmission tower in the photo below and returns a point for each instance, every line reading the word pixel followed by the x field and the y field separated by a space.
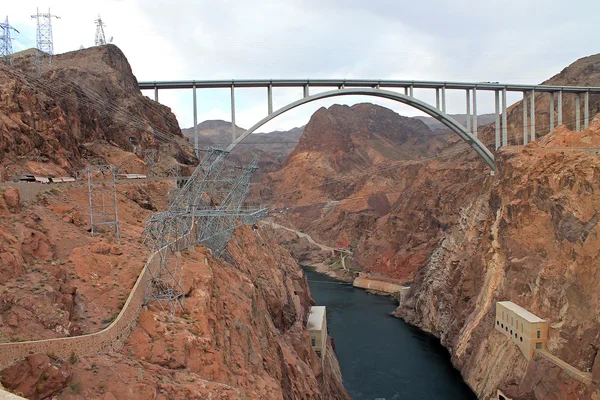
pixel 100 38
pixel 44 41
pixel 206 210
pixel 6 41
pixel 102 192
pixel 151 160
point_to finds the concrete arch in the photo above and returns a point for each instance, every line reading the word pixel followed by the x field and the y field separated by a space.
pixel 448 121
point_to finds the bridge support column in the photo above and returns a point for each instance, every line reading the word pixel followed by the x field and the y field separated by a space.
pixel 475 112
pixel 196 149
pixel 270 99
pixel 586 110
pixel 411 91
pixel 306 94
pixel 444 99
pixel 532 114
pixel 559 108
pixel 468 98
pixel 525 126
pixel 406 90
pixel 497 103
pixel 504 120
pixel 232 113
pixel 551 111
pixel 437 98
pixel 156 94
pixel 577 112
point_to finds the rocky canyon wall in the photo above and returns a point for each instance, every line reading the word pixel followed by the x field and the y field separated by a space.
pixel 530 237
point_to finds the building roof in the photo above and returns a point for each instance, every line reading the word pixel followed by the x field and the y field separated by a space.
pixel 315 318
pixel 521 312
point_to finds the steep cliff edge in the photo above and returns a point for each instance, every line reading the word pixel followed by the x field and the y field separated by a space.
pixel 242 335
pixel 49 122
pixel 531 237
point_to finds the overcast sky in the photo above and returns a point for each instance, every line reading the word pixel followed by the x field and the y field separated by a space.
pixel 515 41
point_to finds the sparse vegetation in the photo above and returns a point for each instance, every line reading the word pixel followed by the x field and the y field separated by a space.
pixel 75 387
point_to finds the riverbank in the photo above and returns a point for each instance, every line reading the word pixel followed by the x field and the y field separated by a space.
pixel 381 356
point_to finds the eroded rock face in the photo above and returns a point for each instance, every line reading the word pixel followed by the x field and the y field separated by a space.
pixel 532 237
pixel 12 197
pixel 51 123
pixel 37 377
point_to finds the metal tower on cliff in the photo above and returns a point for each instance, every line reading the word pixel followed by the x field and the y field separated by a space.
pixel 6 41
pixel 44 33
pixel 100 38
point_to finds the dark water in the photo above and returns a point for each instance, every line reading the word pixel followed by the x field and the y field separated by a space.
pixel 381 356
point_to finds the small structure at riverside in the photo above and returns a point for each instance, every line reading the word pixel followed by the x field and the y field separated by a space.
pixel 525 329
pixel 317 329
pixel 364 281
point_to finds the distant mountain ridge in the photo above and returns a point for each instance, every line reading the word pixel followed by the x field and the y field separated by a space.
pixel 434 124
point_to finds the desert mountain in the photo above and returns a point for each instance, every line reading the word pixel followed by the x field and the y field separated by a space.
pixel 435 125
pixel 80 106
pixel 272 148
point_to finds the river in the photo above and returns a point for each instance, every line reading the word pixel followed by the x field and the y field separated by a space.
pixel 381 356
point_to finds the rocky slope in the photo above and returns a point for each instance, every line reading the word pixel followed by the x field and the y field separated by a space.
pixel 531 237
pixel 49 123
pixel 370 180
pixel 242 334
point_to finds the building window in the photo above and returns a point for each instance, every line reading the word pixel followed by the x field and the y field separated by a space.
pixel 506 329
pixel 497 322
pixel 538 345
pixel 313 342
pixel 502 325
pixel 511 332
pixel 521 339
pixel 538 334
pixel 515 335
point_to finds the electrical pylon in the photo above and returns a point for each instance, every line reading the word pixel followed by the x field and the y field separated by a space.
pixel 100 38
pixel 6 41
pixel 44 40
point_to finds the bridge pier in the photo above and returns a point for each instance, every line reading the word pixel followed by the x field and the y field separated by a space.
pixel 586 110
pixel 551 111
pixel 270 99
pixel 444 99
pixel 232 113
pixel 305 91
pixel 196 148
pixel 504 119
pixel 156 94
pixel 437 98
pixel 577 112
pixel 497 103
pixel 559 108
pixel 468 98
pixel 475 112
pixel 532 115
pixel 525 126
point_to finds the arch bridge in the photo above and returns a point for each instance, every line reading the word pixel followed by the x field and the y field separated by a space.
pixel 403 92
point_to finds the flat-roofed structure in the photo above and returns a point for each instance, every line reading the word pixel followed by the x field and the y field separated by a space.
pixel 526 330
pixel 317 329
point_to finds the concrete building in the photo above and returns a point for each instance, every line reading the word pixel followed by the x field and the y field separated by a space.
pixel 317 328
pixel 526 330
